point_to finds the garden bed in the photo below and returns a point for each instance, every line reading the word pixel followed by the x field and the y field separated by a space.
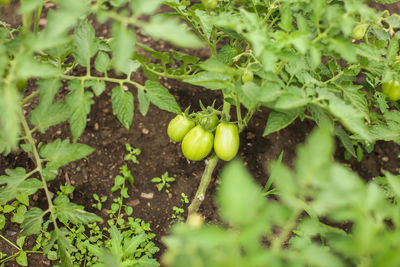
pixel 95 173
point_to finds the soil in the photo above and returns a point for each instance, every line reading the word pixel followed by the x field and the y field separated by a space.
pixel 95 173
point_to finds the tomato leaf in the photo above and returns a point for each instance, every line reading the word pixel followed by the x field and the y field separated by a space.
pixel 235 178
pixel 85 45
pixel 98 86
pixel 278 120
pixel 122 45
pixel 161 97
pixel 144 102
pixel 211 80
pixel 79 102
pixel 22 259
pixel 60 153
pixel 47 114
pixel 102 62
pixel 168 28
pixel 145 7
pixel 17 182
pixel 10 109
pixel 32 223
pixel 122 104
pixel 67 211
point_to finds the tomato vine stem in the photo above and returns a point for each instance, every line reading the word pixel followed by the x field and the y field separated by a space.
pixel 205 181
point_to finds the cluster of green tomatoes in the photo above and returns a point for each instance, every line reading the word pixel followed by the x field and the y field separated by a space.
pixel 201 133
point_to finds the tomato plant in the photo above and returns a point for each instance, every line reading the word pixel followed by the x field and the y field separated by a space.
pixel 179 126
pixel 392 90
pixel 197 143
pixel 226 141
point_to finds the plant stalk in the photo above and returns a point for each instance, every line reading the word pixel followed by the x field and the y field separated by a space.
pixel 205 181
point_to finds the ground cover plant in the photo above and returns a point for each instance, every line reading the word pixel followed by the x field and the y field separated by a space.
pixel 331 62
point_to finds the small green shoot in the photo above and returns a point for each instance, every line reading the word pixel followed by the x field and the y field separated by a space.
pixel 99 201
pixel 177 216
pixel 132 153
pixel 163 181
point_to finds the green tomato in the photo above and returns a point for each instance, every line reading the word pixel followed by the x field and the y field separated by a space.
pixel 197 143
pixel 209 122
pixel 359 31
pixel 178 127
pixel 247 76
pixel 226 143
pixel 210 3
pixel 392 90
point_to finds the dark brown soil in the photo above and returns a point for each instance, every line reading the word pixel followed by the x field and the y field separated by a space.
pixel 104 132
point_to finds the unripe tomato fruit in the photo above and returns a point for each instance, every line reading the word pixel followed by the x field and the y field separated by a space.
pixel 247 76
pixel 197 143
pixel 392 90
pixel 226 142
pixel 178 127
pixel 209 122
pixel 359 31
pixel 210 3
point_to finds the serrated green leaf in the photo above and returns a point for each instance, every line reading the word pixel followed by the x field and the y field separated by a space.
pixel 23 198
pixel 22 259
pixel 226 54
pixel 67 211
pixel 60 153
pixel 2 221
pixel 32 223
pixel 345 139
pixel 145 7
pixel 144 102
pixel 348 115
pixel 29 67
pixel 98 86
pixel 161 97
pixel 344 48
pixel 17 183
pixel 85 44
pixel 130 245
pixel 18 216
pixel 122 45
pixel 10 109
pixel 21 241
pixel 168 28
pixel 122 104
pixel 394 182
pixel 102 62
pixel 211 80
pixel 278 120
pixel 79 102
pixel 44 117
pixel 393 49
pixel 235 178
pixel 64 248
pixel 358 99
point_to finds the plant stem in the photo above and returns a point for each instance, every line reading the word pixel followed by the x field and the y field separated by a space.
pixel 37 19
pixel 287 229
pixel 205 181
pixel 9 242
pixel 38 162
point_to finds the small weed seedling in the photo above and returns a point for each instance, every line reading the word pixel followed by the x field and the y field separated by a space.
pixel 99 201
pixel 163 181
pixel 132 153
pixel 177 216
